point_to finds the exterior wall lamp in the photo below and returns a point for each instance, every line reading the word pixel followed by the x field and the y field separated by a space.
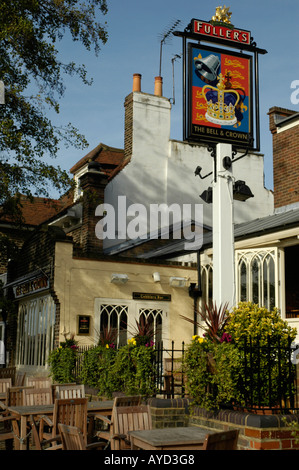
pixel 207 195
pixel 241 192
pixel 119 278
pixel 177 281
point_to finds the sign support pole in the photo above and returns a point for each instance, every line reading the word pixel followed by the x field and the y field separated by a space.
pixel 223 230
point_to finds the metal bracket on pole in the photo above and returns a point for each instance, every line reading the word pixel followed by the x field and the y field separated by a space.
pixel 2 93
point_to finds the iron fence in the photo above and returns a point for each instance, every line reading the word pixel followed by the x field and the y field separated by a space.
pixel 267 375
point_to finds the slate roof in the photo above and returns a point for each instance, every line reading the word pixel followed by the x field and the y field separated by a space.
pixel 262 226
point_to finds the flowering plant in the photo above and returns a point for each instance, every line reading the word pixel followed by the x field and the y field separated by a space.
pixel 69 342
pixel 212 320
pixel 212 372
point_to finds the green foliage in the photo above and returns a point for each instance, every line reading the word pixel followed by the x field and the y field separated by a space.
pixel 129 370
pixel 34 77
pixel 250 320
pixel 62 361
pixel 213 320
pixel 212 372
pixel 265 332
pixel 216 369
pixel 133 370
pixel 97 369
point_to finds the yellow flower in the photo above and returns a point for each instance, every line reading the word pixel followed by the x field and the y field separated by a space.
pixel 107 346
pixel 132 342
pixel 197 338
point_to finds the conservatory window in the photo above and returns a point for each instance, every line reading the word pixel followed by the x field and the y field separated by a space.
pixel 256 276
pixel 35 331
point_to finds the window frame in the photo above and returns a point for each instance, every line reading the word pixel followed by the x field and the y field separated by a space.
pixel 36 331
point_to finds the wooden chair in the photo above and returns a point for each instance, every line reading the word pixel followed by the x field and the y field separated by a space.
pixel 14 397
pixel 6 428
pixel 226 440
pixel 123 420
pixel 72 412
pixel 133 400
pixel 8 372
pixel 37 396
pixel 20 379
pixel 4 385
pixel 72 439
pixel 39 382
pixel 70 391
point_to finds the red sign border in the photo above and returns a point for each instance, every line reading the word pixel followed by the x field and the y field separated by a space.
pixel 222 31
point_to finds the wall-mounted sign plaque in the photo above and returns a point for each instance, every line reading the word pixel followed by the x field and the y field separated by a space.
pixel 149 296
pixel 83 324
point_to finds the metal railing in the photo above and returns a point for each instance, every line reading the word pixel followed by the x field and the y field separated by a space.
pixel 268 378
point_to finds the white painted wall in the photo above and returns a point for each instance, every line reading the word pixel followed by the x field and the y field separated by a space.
pixel 162 170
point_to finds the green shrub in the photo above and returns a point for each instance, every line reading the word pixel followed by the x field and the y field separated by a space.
pixel 248 320
pixel 212 372
pixel 266 373
pixel 97 369
pixel 62 361
pixel 133 369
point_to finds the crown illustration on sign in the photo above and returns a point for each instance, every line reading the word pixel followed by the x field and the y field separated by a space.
pixel 221 102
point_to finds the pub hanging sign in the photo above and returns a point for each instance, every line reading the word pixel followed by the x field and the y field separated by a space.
pixel 220 95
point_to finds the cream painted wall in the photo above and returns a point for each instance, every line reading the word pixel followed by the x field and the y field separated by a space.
pixel 80 283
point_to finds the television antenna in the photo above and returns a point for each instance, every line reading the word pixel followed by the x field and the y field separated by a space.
pixel 165 37
pixel 174 58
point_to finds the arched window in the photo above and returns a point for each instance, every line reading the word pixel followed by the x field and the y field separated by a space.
pixel 154 317
pixel 115 318
pixel 256 277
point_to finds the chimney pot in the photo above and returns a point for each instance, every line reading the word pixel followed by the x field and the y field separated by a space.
pixel 136 82
pixel 158 86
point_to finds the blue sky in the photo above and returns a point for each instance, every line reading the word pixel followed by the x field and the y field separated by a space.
pixel 135 30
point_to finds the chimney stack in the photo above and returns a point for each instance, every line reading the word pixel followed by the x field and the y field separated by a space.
pixel 158 86
pixel 93 184
pixel 284 126
pixel 136 82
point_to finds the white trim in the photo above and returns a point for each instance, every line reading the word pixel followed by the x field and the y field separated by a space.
pixel 287 127
pixel 262 255
pixel 134 308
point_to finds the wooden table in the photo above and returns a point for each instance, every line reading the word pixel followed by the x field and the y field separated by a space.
pixel 184 438
pixel 23 413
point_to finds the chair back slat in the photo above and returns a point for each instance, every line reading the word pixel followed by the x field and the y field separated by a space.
pixel 39 382
pixel 37 396
pixel 70 391
pixel 20 379
pixel 226 440
pixel 5 384
pixel 129 418
pixel 71 437
pixel 8 372
pixel 14 396
pixel 72 412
